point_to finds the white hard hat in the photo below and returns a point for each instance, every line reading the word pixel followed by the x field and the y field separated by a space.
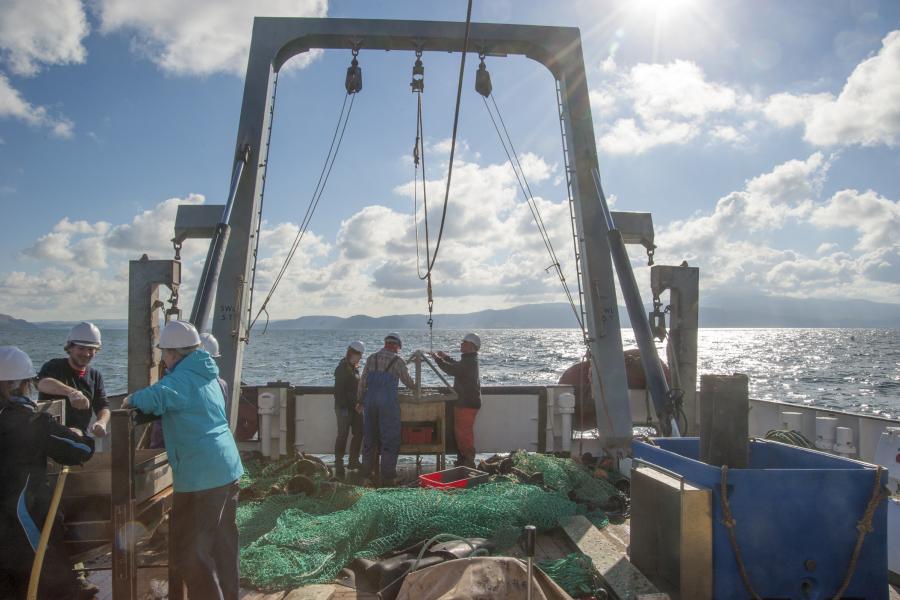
pixel 179 334
pixel 358 346
pixel 394 337
pixel 210 344
pixel 85 334
pixel 474 339
pixel 14 364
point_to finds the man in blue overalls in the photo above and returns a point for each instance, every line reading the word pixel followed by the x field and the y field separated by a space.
pixel 378 388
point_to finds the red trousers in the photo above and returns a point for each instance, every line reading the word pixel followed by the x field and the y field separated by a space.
pixel 464 428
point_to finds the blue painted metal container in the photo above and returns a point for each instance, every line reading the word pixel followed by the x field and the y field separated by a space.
pixel 796 513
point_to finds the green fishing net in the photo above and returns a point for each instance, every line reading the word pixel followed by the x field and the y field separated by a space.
pixel 573 573
pixel 289 540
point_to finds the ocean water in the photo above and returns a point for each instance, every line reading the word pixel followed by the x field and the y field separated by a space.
pixel 851 369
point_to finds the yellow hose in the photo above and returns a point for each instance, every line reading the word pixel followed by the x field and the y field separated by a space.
pixel 45 536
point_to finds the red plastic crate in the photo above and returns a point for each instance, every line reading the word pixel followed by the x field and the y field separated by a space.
pixel 417 434
pixel 457 477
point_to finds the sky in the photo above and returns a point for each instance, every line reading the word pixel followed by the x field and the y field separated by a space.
pixel 762 136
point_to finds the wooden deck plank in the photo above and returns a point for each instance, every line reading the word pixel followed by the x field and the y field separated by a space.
pixel 256 595
pixel 328 592
pixel 608 549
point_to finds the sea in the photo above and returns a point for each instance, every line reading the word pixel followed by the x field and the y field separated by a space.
pixel 849 369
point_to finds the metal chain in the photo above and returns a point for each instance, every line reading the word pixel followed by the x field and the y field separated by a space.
pixel 173 309
pixel 650 252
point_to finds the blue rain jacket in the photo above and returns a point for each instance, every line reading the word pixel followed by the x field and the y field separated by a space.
pixel 199 443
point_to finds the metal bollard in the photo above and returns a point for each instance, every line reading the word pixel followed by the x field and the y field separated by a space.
pixel 530 533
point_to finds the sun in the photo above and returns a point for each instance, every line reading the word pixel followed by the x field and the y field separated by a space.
pixel 662 9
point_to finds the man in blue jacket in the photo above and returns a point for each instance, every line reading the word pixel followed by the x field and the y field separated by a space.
pixel 204 459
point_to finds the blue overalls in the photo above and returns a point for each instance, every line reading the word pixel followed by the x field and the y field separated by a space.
pixel 382 422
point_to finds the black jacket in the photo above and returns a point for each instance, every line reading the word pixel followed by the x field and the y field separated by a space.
pixel 346 385
pixel 27 438
pixel 91 385
pixel 466 378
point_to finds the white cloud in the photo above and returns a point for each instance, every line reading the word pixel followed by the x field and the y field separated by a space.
pixel 627 136
pixel 52 247
pixel 787 110
pixel 653 105
pixel 866 112
pixel 665 104
pixel 491 253
pixel 875 218
pixel 202 36
pixel 67 226
pixel 680 89
pixel 12 105
pixel 727 133
pixel 151 230
pixel 733 245
pixel 82 245
pixel 48 32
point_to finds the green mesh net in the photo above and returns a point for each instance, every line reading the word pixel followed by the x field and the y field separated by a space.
pixel 573 573
pixel 289 540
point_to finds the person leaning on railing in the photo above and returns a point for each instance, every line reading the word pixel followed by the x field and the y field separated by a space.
pixel 204 459
pixel 467 385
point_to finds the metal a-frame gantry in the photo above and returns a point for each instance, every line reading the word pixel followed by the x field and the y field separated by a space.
pixel 275 40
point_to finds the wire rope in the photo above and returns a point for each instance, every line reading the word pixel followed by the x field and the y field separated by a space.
pixel 519 172
pixel 516 165
pixel 334 148
pixel 462 68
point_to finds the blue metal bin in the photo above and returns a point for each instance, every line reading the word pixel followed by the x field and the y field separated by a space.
pixel 796 513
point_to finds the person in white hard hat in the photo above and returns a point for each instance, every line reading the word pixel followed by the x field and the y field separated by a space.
pixel 467 385
pixel 28 437
pixel 347 408
pixel 209 343
pixel 73 379
pixel 378 388
pixel 204 459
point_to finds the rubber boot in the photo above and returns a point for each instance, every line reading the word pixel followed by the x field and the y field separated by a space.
pixel 339 472
pixel 355 446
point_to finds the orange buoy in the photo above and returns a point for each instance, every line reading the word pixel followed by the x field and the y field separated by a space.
pixel 579 376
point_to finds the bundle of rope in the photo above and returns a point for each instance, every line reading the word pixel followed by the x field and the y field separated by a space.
pixel 789 436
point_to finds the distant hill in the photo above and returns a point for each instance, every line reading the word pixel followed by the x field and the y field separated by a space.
pixel 8 323
pixel 735 311
pixel 717 310
pixel 101 323
pixel 743 310
pixel 531 316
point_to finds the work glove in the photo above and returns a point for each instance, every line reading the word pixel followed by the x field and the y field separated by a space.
pixel 79 400
pixel 99 429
